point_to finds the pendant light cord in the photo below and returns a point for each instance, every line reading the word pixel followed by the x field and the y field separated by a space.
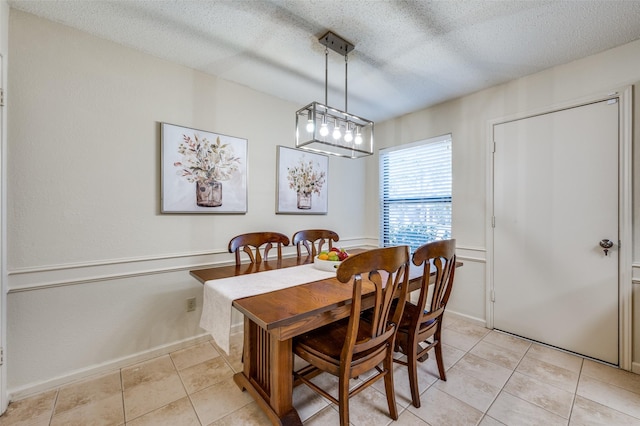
pixel 326 74
pixel 346 72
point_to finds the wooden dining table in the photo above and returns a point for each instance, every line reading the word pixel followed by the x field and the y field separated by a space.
pixel 273 319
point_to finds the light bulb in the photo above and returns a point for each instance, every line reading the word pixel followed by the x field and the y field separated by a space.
pixel 348 136
pixel 358 136
pixel 324 130
pixel 311 116
pixel 336 130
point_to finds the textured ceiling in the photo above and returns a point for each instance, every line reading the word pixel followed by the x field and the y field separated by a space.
pixel 408 54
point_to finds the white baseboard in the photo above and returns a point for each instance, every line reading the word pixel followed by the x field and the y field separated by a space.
pixel 456 315
pixel 635 367
pixel 237 328
pixel 35 388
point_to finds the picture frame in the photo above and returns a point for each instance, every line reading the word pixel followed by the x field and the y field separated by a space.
pixel 302 182
pixel 202 171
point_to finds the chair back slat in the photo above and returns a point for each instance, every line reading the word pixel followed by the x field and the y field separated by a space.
pixel 257 245
pixel 363 342
pixel 420 330
pixel 313 240
pixel 440 257
pixel 392 263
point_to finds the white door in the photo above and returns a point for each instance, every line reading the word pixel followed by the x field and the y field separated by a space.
pixel 555 199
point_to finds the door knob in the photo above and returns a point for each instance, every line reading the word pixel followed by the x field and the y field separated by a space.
pixel 606 245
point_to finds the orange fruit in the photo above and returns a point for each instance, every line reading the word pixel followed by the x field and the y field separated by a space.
pixel 323 256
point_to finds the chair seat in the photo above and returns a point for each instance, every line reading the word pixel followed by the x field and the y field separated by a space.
pixel 327 342
pixel 411 311
pixel 351 347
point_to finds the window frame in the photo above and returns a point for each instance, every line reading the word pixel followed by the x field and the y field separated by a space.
pixel 386 201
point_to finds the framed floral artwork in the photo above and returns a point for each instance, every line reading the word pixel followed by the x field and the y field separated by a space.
pixel 302 182
pixel 202 172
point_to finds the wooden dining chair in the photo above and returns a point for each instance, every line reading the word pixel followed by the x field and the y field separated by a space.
pixel 251 243
pixel 422 322
pixel 352 346
pixel 312 238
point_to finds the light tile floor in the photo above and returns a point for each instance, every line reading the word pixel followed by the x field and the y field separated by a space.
pixel 492 379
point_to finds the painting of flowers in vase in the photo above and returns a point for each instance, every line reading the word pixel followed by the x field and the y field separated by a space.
pixel 302 182
pixel 202 172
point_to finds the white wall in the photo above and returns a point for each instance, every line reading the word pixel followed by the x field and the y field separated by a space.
pixel 467 117
pixel 97 275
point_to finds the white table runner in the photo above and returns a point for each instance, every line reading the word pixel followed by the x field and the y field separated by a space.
pixel 219 295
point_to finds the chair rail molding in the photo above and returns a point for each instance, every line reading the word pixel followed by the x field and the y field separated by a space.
pixel 635 274
pixel 36 278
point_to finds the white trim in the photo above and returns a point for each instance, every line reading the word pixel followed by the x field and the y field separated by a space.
pixel 488 304
pixel 470 259
pixel 471 254
pixel 440 138
pixel 73 274
pixel 110 262
pixel 4 281
pixel 37 278
pixel 38 387
pixel 479 321
pixel 635 274
pixel 625 208
pixel 237 328
pixel 625 225
pixel 635 367
pixel 470 248
pixel 5 11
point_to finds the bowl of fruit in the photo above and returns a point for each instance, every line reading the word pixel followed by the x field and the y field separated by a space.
pixel 330 260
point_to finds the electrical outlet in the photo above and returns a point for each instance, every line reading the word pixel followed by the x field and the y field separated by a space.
pixel 191 304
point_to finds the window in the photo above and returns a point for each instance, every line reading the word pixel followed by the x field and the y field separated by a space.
pixel 415 193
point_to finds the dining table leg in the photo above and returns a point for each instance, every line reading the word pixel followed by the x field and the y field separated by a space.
pixel 267 374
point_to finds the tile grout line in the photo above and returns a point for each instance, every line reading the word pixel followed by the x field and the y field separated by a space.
pixel 53 408
pixel 575 394
pixel 485 412
pixel 185 389
pixel 124 413
pixel 548 384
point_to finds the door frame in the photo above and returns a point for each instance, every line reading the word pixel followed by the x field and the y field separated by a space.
pixel 624 96
pixel 4 397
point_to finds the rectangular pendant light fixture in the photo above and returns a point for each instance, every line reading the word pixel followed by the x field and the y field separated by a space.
pixel 328 130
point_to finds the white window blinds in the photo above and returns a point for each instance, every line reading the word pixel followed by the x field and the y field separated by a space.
pixel 415 193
